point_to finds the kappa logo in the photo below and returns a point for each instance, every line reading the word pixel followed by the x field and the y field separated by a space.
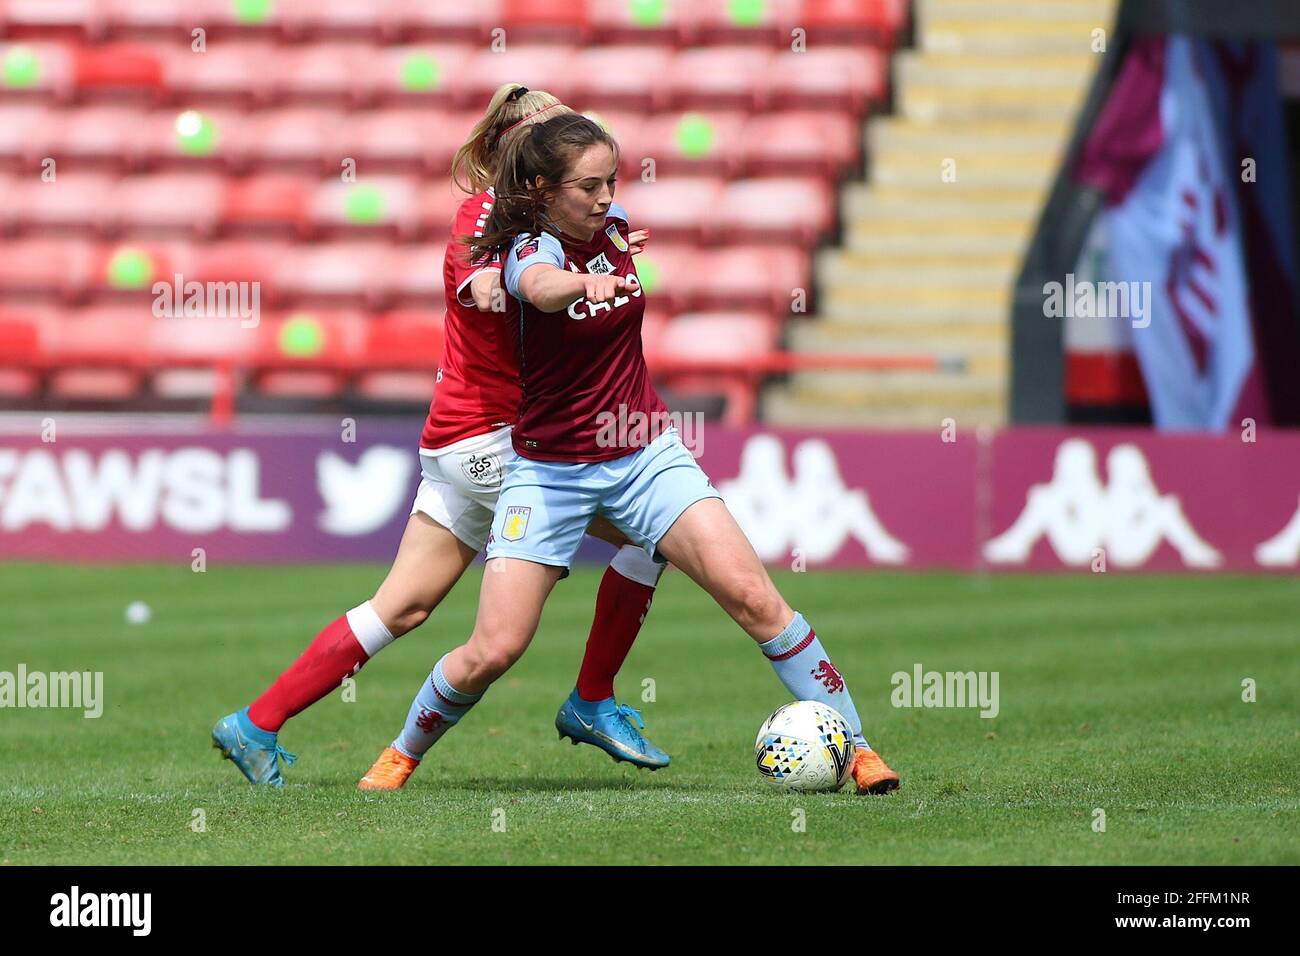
pixel 1127 516
pixel 516 524
pixel 600 266
pixel 619 242
pixel 814 512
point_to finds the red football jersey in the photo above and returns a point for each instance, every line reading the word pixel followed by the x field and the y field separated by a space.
pixel 586 389
pixel 478 381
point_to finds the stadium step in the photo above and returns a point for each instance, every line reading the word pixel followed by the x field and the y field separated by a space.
pixel 865 333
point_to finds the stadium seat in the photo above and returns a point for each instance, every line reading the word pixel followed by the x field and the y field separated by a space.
pixel 169 202
pixel 726 345
pixel 693 142
pixel 73 201
pixel 670 273
pixel 268 202
pixel 624 77
pixel 408 274
pixel 309 19
pixel 72 17
pixel 619 21
pixel 228 71
pixel 547 19
pixel 23 131
pixel 672 207
pixel 735 77
pixel 99 352
pixel 403 349
pixel 758 277
pixel 216 139
pixel 321 72
pixel 372 204
pixel 421 138
pixel 331 273
pixel 130 267
pixel 321 344
pixel 37 70
pixel 20 355
pixel 423 73
pixel 819 143
pixel 45 267
pixel 854 21
pixel 767 23
pixel 848 78
pixel 96 135
pixel 118 68
pixel 542 66
pixel 447 19
pixel 306 138
pixel 239 261
pixel 136 17
pixel 436 208
pixel 786 209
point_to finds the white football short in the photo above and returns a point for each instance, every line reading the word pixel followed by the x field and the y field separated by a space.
pixel 460 483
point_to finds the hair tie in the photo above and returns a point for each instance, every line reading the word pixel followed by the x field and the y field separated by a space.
pixel 516 93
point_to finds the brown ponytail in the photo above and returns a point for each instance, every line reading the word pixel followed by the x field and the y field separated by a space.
pixel 546 150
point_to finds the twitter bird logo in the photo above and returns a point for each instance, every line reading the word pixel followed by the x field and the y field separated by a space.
pixel 362 497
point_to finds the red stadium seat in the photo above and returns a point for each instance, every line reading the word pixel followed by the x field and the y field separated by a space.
pixel 321 71
pixel 74 17
pixel 45 267
pixel 148 16
pixel 44 69
pixel 231 70
pixel 24 132
pixel 854 21
pixel 720 23
pixel 547 19
pixel 800 143
pixel 447 19
pixel 404 339
pixel 129 268
pixel 169 202
pixel 307 354
pixel 21 354
pixel 328 273
pixel 759 277
pixel 160 141
pixel 537 66
pixel 618 21
pixel 720 77
pixel 437 205
pixel 627 77
pixel 373 204
pixel 304 137
pixel 313 18
pixel 694 142
pixel 99 352
pixel 727 344
pixel 416 137
pixel 73 201
pixel 117 68
pixel 421 73
pixel 409 274
pixel 268 202
pixel 796 210
pixel 669 273
pixel 848 78
pixel 97 135
pixel 239 261
pixel 672 207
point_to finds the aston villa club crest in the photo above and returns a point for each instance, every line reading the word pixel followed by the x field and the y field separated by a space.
pixel 516 523
pixel 600 266
pixel 619 242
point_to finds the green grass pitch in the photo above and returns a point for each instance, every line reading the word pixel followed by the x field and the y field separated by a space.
pixel 1118 693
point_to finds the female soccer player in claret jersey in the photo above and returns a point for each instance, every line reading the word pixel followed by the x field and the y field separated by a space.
pixel 464 449
pixel 576 308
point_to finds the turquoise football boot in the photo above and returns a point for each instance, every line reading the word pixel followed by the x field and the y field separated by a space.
pixel 253 750
pixel 607 724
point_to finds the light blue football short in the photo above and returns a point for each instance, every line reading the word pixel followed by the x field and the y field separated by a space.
pixel 545 506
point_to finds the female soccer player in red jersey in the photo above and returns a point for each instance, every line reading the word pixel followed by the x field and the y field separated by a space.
pixel 464 448
pixel 576 308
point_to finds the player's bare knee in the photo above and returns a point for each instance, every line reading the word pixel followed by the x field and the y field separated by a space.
pixel 757 605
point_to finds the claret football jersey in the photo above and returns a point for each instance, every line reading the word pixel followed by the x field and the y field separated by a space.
pixel 582 368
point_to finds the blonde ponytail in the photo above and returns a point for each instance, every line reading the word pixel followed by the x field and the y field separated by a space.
pixel 474 166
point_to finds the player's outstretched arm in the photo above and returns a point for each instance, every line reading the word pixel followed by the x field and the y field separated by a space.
pixel 552 289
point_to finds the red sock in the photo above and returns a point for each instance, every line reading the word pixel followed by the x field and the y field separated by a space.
pixel 621 607
pixel 332 656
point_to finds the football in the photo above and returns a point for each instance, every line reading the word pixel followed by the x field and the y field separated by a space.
pixel 805 746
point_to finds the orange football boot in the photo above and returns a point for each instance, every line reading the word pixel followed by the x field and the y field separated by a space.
pixel 391 770
pixel 872 774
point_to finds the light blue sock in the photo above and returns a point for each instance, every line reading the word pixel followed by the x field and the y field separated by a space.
pixel 435 710
pixel 805 669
